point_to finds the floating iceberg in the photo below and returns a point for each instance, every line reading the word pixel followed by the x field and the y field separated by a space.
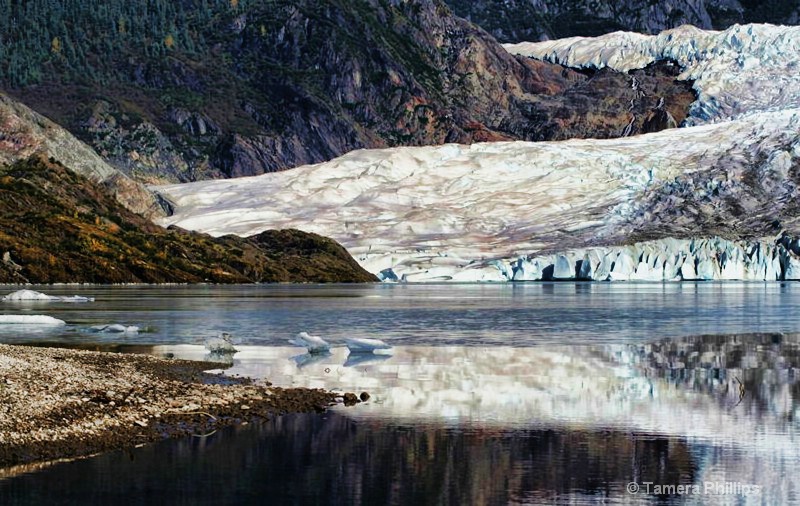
pixel 31 295
pixel 221 345
pixel 116 328
pixel 13 319
pixel 314 344
pixel 364 345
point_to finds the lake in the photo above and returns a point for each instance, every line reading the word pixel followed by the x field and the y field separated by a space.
pixel 494 394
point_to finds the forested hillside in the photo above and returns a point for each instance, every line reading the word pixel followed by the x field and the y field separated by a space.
pixel 86 39
pixel 195 89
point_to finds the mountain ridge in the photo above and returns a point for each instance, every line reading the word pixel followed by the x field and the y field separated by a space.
pixel 515 21
pixel 220 90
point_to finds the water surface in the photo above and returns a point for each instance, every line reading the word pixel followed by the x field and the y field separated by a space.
pixel 495 394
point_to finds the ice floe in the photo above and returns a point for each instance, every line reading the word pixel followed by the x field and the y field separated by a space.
pixel 221 344
pixel 116 328
pixel 31 295
pixel 13 319
pixel 367 345
pixel 314 344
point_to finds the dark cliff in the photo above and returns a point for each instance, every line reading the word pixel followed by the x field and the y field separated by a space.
pixel 533 20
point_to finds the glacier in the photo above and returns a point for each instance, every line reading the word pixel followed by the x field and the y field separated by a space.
pixel 508 211
pixel 744 69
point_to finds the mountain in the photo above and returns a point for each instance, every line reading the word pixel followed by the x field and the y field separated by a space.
pixel 725 186
pixel 197 89
pixel 24 132
pixel 534 20
pixel 57 226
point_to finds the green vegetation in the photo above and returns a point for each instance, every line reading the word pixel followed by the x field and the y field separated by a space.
pixel 262 70
pixel 81 39
pixel 194 89
pixel 57 226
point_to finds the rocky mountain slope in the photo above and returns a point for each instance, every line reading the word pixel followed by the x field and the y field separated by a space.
pixel 742 70
pixel 533 20
pixel 24 133
pixel 57 226
pixel 480 212
pixel 181 91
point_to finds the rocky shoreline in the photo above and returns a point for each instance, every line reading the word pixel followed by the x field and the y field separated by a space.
pixel 60 403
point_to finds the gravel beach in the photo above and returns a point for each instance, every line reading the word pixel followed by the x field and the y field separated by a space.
pixel 60 403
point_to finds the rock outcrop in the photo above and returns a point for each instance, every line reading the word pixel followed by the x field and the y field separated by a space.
pixel 24 133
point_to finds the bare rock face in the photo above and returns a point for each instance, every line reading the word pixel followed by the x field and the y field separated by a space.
pixel 657 120
pixel 24 133
pixel 293 83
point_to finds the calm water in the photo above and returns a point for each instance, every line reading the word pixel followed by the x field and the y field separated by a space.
pixel 495 394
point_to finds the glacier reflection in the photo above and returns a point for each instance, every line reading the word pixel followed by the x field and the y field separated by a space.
pixel 740 391
pixel 487 425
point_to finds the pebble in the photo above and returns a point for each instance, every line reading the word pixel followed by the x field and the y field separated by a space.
pixel 150 387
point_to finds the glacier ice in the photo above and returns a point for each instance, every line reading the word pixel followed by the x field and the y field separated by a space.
pixel 505 211
pixel 30 320
pixel 448 213
pixel 674 260
pixel 744 69
pixel 31 295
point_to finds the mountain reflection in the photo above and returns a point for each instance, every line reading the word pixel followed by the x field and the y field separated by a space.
pixel 480 425
pixel 332 459
pixel 760 371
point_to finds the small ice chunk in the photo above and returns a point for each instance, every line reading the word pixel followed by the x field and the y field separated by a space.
pixel 32 295
pixel 26 295
pixel 116 328
pixel 365 345
pixel 13 319
pixel 314 344
pixel 222 344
